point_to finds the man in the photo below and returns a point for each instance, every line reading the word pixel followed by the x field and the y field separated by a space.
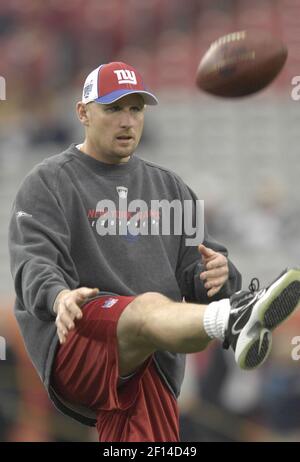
pixel 115 358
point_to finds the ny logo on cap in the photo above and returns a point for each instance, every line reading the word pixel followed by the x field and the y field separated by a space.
pixel 126 76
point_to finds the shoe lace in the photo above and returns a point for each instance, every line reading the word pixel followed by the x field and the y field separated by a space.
pixel 254 285
pixel 247 296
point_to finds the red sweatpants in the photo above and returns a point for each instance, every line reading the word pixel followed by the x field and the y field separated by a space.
pixel 86 372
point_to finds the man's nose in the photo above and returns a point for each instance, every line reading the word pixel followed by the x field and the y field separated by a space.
pixel 126 119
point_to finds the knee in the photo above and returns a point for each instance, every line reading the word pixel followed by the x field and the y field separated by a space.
pixel 136 314
pixel 150 298
pixel 147 301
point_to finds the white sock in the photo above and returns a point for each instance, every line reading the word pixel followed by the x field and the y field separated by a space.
pixel 215 318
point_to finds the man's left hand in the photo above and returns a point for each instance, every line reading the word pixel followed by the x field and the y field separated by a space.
pixel 216 270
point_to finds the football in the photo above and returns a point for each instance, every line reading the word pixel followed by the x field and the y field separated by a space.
pixel 240 64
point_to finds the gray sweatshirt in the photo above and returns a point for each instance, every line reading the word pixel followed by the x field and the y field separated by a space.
pixel 58 239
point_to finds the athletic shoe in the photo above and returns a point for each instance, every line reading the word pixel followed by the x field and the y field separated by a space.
pixel 256 313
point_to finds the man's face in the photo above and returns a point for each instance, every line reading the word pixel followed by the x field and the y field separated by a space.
pixel 114 130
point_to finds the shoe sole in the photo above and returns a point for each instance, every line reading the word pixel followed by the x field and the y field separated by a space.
pixel 275 306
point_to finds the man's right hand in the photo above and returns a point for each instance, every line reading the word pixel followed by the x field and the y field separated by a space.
pixel 67 307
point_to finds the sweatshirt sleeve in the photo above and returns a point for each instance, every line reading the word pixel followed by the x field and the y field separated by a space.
pixel 39 245
pixel 189 265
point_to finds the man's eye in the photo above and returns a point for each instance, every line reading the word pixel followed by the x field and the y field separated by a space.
pixel 113 108
pixel 136 108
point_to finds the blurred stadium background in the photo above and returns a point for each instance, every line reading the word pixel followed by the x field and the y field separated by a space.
pixel 241 157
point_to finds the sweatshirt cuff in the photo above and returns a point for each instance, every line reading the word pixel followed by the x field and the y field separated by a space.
pixel 52 294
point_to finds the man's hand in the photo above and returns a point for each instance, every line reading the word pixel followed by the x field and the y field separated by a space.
pixel 216 270
pixel 67 307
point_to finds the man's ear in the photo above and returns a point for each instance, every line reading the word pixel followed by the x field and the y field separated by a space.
pixel 82 113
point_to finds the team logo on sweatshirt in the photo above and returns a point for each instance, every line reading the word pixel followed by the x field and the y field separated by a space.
pixel 138 218
pixel 122 191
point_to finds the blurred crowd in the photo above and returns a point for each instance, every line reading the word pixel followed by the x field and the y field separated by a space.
pixel 48 47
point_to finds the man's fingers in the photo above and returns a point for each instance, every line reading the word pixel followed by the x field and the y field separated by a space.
pixel 73 309
pixel 214 273
pixel 216 270
pixel 85 292
pixel 62 332
pixel 61 337
pixel 205 251
pixel 67 320
pixel 213 291
pixel 217 262
pixel 217 282
pixel 64 322
pixel 68 309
